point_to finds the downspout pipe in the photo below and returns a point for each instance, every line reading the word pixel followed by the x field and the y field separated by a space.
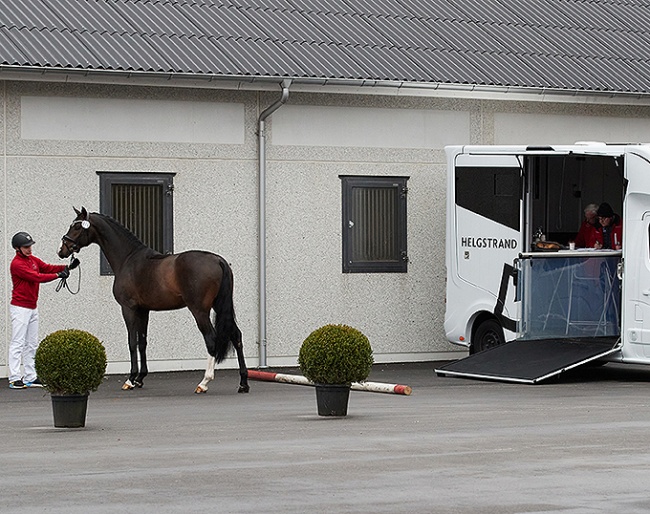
pixel 261 134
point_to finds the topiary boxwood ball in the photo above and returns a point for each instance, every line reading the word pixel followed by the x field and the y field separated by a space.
pixel 336 354
pixel 70 362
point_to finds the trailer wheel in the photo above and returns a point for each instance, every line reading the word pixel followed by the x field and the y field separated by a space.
pixel 488 335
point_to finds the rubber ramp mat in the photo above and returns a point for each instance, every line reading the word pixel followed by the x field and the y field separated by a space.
pixel 530 361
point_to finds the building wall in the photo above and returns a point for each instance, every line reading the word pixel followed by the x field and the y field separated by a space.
pixel 56 136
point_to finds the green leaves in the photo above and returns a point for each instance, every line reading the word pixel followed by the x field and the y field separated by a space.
pixel 71 362
pixel 336 354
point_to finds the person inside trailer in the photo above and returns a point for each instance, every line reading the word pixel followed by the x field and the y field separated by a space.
pixel 610 234
pixel 586 237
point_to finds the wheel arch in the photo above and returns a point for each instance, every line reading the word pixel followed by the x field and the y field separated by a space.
pixel 481 318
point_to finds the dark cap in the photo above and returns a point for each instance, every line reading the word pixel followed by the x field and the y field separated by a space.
pixel 605 210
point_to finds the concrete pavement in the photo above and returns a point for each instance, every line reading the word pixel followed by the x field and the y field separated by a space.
pixel 575 445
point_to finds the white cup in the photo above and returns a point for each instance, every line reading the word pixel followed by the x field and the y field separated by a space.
pixel 572 245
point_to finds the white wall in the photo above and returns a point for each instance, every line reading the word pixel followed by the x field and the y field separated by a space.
pixel 129 120
pixel 398 312
pixel 370 127
pixel 548 129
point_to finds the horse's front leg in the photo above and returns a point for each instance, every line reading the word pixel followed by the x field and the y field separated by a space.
pixel 209 375
pixel 136 324
pixel 142 349
pixel 133 353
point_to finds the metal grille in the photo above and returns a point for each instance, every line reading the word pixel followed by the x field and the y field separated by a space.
pixel 374 211
pixel 374 224
pixel 139 208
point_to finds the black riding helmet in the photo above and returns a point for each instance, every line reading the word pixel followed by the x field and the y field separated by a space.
pixel 21 239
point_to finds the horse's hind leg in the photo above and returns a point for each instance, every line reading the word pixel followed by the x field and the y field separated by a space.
pixel 209 375
pixel 243 371
pixel 206 328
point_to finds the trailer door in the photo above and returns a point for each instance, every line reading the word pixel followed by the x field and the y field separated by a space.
pixel 488 197
pixel 636 253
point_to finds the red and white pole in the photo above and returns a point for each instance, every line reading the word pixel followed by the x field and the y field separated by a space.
pixel 373 387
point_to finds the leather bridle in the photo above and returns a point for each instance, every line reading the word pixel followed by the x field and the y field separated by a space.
pixel 74 247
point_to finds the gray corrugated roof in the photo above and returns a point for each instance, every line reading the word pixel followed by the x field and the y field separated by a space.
pixel 590 45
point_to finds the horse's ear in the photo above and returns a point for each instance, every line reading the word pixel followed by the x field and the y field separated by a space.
pixel 84 213
pixel 76 211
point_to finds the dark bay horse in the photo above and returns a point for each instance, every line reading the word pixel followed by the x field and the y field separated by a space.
pixel 146 280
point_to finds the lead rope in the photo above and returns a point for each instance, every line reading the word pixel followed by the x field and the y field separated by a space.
pixel 63 283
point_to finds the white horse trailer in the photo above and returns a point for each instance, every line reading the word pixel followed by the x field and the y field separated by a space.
pixel 524 312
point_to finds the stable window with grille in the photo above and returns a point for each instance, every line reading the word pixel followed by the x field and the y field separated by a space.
pixel 374 224
pixel 142 202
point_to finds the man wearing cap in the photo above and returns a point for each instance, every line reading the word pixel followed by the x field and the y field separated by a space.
pixel 610 234
pixel 27 273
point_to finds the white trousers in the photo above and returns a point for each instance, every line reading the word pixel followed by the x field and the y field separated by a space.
pixel 24 341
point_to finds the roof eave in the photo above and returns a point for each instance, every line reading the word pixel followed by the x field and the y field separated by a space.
pixel 316 84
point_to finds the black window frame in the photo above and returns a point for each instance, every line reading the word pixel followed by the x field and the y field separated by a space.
pixel 399 261
pixel 164 179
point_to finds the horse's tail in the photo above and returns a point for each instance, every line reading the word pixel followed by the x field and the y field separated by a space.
pixel 225 324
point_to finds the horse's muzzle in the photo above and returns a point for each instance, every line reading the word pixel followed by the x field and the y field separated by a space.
pixel 65 250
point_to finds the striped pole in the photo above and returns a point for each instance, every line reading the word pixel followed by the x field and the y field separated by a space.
pixel 373 387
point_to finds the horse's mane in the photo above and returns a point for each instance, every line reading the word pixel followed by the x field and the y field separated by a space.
pixel 131 237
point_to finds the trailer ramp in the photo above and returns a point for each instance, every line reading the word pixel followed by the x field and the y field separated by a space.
pixel 530 362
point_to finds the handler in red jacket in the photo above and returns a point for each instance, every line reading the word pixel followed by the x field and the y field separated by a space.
pixel 27 273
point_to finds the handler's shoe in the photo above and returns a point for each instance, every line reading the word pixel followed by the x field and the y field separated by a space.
pixel 34 383
pixel 17 384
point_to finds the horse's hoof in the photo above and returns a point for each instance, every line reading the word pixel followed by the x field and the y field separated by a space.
pixel 243 389
pixel 200 389
pixel 138 384
pixel 127 386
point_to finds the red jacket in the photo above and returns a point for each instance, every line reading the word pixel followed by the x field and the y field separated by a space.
pixel 587 235
pixel 27 273
pixel 616 234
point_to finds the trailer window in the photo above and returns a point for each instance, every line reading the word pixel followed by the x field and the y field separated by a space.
pixel 374 224
pixel 490 192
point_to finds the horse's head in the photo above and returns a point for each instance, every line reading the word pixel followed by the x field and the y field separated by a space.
pixel 78 234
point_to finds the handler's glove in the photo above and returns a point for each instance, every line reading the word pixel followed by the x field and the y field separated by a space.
pixel 64 273
pixel 73 263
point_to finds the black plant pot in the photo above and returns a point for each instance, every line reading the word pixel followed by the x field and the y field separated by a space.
pixel 332 400
pixel 69 410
